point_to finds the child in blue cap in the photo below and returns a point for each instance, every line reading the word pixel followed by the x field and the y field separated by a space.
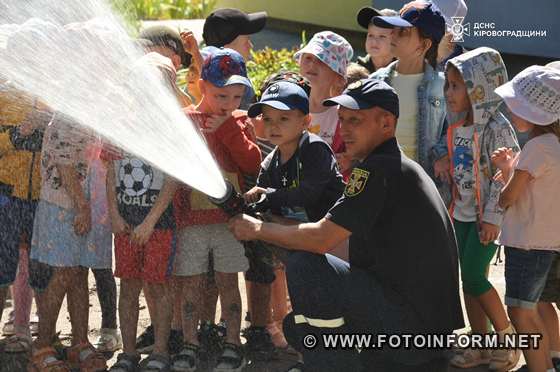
pixel 299 178
pixel 202 229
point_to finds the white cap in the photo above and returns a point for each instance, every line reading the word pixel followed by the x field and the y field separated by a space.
pixel 534 94
pixel 451 8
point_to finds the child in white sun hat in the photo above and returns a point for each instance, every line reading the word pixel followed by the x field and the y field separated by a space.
pixel 530 226
pixel 323 61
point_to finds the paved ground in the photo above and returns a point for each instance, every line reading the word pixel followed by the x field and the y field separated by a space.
pixel 284 360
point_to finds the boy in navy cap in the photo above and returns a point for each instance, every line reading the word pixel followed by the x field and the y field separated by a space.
pixel 299 178
pixel 402 277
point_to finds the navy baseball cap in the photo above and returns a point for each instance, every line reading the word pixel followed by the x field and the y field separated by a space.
pixel 428 19
pixel 365 94
pixel 284 96
pixel 223 67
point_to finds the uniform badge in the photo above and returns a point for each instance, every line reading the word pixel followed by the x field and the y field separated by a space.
pixel 356 182
pixel 355 85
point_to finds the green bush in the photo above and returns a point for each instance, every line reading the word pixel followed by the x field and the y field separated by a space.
pixel 267 61
pixel 163 9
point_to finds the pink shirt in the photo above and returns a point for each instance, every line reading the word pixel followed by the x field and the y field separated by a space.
pixel 533 221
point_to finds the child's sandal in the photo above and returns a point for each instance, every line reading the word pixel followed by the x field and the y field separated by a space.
pixel 156 363
pixel 45 360
pixel 18 344
pixel 126 363
pixel 231 360
pixel 187 360
pixel 86 358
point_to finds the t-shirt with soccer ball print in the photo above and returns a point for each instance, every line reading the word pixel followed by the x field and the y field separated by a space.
pixel 138 185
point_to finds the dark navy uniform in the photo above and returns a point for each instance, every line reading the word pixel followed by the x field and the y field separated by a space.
pixel 403 271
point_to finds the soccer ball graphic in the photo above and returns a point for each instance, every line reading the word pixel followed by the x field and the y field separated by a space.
pixel 135 177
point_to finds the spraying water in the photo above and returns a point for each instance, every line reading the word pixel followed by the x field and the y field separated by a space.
pixel 77 58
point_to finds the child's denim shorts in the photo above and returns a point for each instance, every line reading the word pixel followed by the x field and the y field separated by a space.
pixel 526 272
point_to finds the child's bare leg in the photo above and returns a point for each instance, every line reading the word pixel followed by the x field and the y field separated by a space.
pixel 476 315
pixel 49 302
pixel 23 294
pixel 228 288
pixel 159 294
pixel 529 321
pixel 3 293
pixel 279 296
pixel 128 313
pixel 258 298
pixel 549 317
pixel 78 303
pixel 176 299
pixel 192 299
pixel 492 305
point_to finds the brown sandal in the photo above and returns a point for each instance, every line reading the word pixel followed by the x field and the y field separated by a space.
pixel 86 358
pixel 45 360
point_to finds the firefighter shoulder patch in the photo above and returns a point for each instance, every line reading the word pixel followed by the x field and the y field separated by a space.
pixel 356 182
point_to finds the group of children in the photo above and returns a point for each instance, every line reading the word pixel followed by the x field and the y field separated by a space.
pixel 286 155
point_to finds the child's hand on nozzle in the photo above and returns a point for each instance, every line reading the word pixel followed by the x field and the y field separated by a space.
pixel 441 169
pixel 488 233
pixel 253 195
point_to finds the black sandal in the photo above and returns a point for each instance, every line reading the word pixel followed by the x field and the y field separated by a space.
pixel 126 363
pixel 156 363
pixel 187 360
pixel 231 360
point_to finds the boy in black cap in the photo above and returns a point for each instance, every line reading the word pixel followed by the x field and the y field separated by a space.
pixel 385 193
pixel 230 28
pixel 299 180
pixel 378 39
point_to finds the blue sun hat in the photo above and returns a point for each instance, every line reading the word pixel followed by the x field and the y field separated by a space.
pixel 332 49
